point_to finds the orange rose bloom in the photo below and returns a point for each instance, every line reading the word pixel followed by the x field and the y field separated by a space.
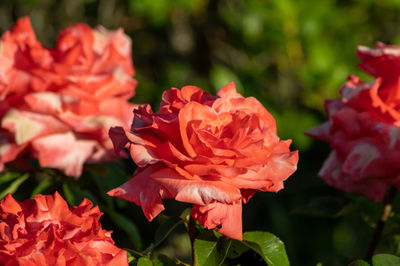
pixel 213 152
pixel 59 103
pixel 45 231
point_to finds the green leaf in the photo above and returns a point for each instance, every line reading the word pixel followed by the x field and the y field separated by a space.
pixel 144 261
pixel 106 177
pixel 395 243
pixel 81 194
pixel 211 253
pixel 209 235
pixel 14 185
pixel 166 228
pixel 41 186
pixel 125 224
pixel 237 249
pixel 326 207
pixel 69 196
pixel 268 246
pixel 385 260
pixel 359 263
pixel 162 260
pixel 8 176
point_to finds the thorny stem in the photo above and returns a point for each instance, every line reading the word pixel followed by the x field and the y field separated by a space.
pixel 387 209
pixel 149 248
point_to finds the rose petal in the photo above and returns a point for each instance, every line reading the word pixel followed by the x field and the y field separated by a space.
pixel 332 173
pixel 63 151
pixel 320 132
pixel 191 112
pixel 143 191
pixel 224 218
pixel 196 190
pixel 27 125
pixel 44 102
pixel 46 231
pixel 118 137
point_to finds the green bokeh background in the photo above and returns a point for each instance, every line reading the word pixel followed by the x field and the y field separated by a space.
pixel 289 54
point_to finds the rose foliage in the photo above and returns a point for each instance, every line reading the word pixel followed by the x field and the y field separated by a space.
pixel 45 231
pixel 212 151
pixel 364 127
pixel 58 104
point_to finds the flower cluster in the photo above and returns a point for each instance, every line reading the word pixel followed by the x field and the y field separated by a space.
pixel 213 152
pixel 364 127
pixel 58 104
pixel 45 231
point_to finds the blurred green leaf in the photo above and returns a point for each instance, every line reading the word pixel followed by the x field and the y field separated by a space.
pixel 385 260
pixel 155 10
pixel 8 176
pixel 46 183
pixel 344 237
pixel 220 76
pixel 74 193
pixel 287 117
pixel 125 224
pixel 106 177
pixel 166 227
pixel 211 253
pixel 326 207
pixel 395 243
pixel 14 185
pixel 69 196
pixel 359 263
pixel 268 246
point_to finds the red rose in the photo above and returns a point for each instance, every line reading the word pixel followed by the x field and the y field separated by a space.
pixel 363 127
pixel 213 152
pixel 59 103
pixel 45 231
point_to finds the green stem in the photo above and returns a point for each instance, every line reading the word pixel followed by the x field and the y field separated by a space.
pixel 387 209
pixel 192 234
